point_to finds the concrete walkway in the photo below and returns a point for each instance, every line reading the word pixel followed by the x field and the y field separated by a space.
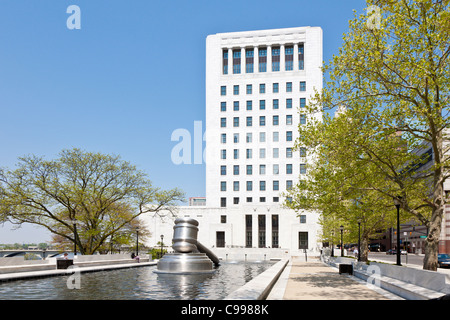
pixel 315 280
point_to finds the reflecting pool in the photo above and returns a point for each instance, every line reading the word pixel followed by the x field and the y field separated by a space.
pixel 137 284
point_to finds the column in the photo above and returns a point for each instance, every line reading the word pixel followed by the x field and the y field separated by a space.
pixel 243 60
pixel 295 56
pixel 269 58
pixel 282 58
pixel 230 61
pixel 255 59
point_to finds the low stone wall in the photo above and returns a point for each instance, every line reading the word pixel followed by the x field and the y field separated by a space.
pixel 259 287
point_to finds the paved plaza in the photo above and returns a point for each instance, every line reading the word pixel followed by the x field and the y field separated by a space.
pixel 315 280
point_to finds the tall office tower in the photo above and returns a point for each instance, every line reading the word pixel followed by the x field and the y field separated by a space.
pixel 257 83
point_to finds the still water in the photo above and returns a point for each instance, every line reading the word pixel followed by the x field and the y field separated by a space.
pixel 138 283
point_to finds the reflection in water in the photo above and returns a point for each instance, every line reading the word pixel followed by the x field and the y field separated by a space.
pixel 138 283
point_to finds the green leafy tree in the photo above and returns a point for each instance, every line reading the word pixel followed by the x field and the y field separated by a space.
pixel 81 197
pixel 393 78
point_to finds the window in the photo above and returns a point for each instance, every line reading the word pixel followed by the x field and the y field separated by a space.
pixel 249 169
pixel 236 170
pixel 276 199
pixel 301 56
pixel 249 137
pixel 288 168
pixel 302 86
pixel 275 120
pixel 236 122
pixel 302 152
pixel 302 218
pixel 223 90
pixel 223 202
pixel 262 121
pixel 249 185
pixel 236 137
pixel 288 135
pixel 223 122
pixel 249 105
pixel 223 219
pixel 262 153
pixel 276 153
pixel 236 90
pixel 249 199
pixel 262 59
pixel 302 102
pixel 225 61
pixel 249 60
pixel 262 137
pixel 276 185
pixel 288 86
pixel 236 105
pixel 223 170
pixel 302 168
pixel 223 106
pixel 289 119
pixel 248 228
pixel 236 153
pixel 249 153
pixel 262 104
pixel 289 58
pixel 223 186
pixel 249 121
pixel 303 240
pixel 275 88
pixel 288 103
pixel 249 89
pixel 237 61
pixel 262 88
pixel 223 154
pixel 235 185
pixel 223 138
pixel 262 169
pixel 288 184
pixel 276 136
pixel 262 199
pixel 288 152
pixel 276 169
pixel 275 104
pixel 303 119
pixel 276 59
pixel 262 186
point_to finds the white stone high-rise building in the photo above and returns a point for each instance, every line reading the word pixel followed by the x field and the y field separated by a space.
pixel 257 84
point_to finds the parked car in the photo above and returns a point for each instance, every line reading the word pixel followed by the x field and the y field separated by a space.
pixel 403 252
pixel 391 251
pixel 443 260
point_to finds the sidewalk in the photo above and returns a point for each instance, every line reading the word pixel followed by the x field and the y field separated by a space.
pixel 315 280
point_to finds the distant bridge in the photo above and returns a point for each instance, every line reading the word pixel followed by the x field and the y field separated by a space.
pixel 21 252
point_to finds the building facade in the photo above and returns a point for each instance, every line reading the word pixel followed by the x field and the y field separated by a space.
pixel 257 84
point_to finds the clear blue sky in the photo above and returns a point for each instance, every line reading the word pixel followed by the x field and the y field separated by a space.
pixel 131 75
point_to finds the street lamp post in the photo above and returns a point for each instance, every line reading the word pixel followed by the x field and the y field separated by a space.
pixel 162 237
pixel 74 237
pixel 332 243
pixel 397 205
pixel 137 241
pixel 359 240
pixel 342 241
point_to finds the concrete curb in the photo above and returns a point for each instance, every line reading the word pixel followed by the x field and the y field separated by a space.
pixel 259 287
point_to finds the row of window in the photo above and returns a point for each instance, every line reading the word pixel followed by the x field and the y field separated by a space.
pixel 250 59
pixel 262 185
pixel 262 121
pixel 262 169
pixel 262 153
pixel 262 104
pixel 235 200
pixel 262 88
pixel 262 138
